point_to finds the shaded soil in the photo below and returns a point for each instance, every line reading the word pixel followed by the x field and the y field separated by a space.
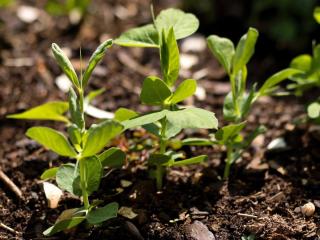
pixel 264 192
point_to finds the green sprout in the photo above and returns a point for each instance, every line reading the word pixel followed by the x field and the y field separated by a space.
pixel 239 101
pixel 165 123
pixel 83 144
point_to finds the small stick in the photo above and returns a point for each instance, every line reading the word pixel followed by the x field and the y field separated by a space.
pixel 9 229
pixel 10 184
pixel 247 215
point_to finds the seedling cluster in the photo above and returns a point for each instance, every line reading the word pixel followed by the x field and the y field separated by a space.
pixel 85 145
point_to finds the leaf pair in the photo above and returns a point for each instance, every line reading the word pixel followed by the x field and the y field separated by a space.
pixel 176 120
pixel 94 140
pixel 157 92
pixel 68 69
pixel 183 24
pixel 73 217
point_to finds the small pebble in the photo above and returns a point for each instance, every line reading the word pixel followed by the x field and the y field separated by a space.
pixel 308 209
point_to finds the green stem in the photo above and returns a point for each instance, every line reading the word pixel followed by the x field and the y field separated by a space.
pixel 83 184
pixel 160 170
pixel 228 163
pixel 234 97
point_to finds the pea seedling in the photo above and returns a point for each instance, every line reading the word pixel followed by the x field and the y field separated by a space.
pixel 169 26
pixel 309 77
pixel 85 145
pixel 238 102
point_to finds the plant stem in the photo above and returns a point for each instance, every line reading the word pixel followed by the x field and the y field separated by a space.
pixel 163 144
pixel 83 184
pixel 228 163
pixel 234 95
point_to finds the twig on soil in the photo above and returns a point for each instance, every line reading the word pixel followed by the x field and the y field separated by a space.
pixel 9 229
pixel 247 215
pixel 11 185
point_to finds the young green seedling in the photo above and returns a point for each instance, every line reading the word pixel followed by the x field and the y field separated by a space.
pixel 238 102
pixel 84 145
pixel 310 73
pixel 169 26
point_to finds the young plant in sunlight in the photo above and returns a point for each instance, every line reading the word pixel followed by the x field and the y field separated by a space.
pixel 83 144
pixel 309 77
pixel 170 118
pixel 239 101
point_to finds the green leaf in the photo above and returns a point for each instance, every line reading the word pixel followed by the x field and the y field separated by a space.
pixel 93 94
pixel 67 220
pixel 93 172
pixel 94 60
pixel 49 173
pixel 105 213
pixel 196 142
pixel 113 157
pixel 302 62
pixel 154 91
pixel 244 49
pixel 169 56
pixel 275 79
pixel 249 139
pixel 314 110
pixel 228 108
pixel 52 140
pixel 48 111
pixel 184 24
pixel 223 50
pixel 246 102
pixel 229 133
pixel 316 14
pixel 75 136
pixel 99 135
pixel 189 118
pixel 74 109
pixel 144 119
pixel 123 114
pixel 68 178
pixel 158 159
pixel 145 36
pixel 186 89
pixel 65 64
pixel 194 160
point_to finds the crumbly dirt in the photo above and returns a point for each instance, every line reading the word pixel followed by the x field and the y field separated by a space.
pixel 266 188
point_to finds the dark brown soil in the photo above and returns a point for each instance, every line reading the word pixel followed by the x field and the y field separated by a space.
pixel 265 190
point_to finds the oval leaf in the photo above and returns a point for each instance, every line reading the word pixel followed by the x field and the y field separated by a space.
pixel 67 178
pixel 144 119
pixel 49 173
pixel 276 79
pixel 99 135
pixel 48 111
pixel 314 110
pixel 52 140
pixel 245 49
pixel 113 157
pixel 145 36
pixel 154 91
pixel 184 24
pixel 123 114
pixel 223 50
pixel 189 118
pixel 186 89
pixel 93 172
pixel 105 213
